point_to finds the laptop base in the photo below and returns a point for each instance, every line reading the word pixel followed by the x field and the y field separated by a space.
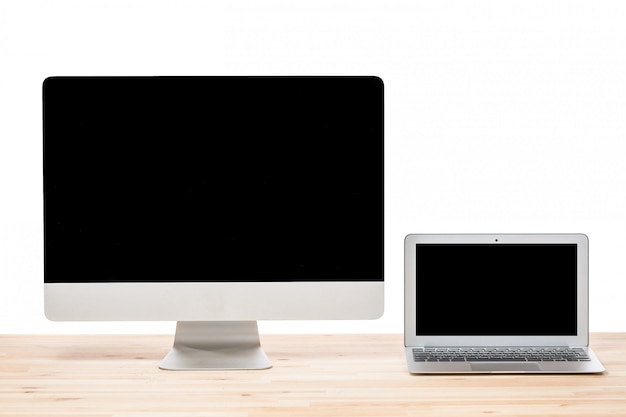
pixel 544 367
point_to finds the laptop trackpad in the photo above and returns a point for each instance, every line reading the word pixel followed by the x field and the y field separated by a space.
pixel 505 366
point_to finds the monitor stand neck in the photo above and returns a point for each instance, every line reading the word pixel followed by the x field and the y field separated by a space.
pixel 216 345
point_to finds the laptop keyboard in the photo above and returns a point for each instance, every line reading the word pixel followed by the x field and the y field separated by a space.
pixel 500 354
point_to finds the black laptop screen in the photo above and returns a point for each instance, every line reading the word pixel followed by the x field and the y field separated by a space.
pixel 496 289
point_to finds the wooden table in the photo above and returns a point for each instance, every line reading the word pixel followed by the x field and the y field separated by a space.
pixel 313 375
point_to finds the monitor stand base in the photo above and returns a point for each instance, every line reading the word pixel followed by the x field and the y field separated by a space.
pixel 217 345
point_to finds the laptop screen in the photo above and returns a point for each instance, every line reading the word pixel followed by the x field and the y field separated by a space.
pixel 496 290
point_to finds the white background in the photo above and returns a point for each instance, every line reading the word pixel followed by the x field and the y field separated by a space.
pixel 501 116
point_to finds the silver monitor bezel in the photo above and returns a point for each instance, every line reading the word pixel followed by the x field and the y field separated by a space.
pixel 213 301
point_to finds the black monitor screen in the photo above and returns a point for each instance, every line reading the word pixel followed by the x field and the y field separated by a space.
pixel 213 179
pixel 496 289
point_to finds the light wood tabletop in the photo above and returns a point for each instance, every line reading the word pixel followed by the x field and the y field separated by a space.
pixel 313 375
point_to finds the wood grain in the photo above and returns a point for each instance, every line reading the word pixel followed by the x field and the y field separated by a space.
pixel 313 375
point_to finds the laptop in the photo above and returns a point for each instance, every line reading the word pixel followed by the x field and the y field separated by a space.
pixel 488 303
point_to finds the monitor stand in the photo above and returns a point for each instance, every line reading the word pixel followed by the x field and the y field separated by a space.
pixel 216 345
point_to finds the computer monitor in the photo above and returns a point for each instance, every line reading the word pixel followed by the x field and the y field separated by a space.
pixel 213 202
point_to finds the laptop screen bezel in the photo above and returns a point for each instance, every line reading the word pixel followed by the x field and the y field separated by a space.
pixel 581 338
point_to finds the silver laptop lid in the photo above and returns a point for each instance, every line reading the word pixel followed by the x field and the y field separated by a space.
pixel 496 290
